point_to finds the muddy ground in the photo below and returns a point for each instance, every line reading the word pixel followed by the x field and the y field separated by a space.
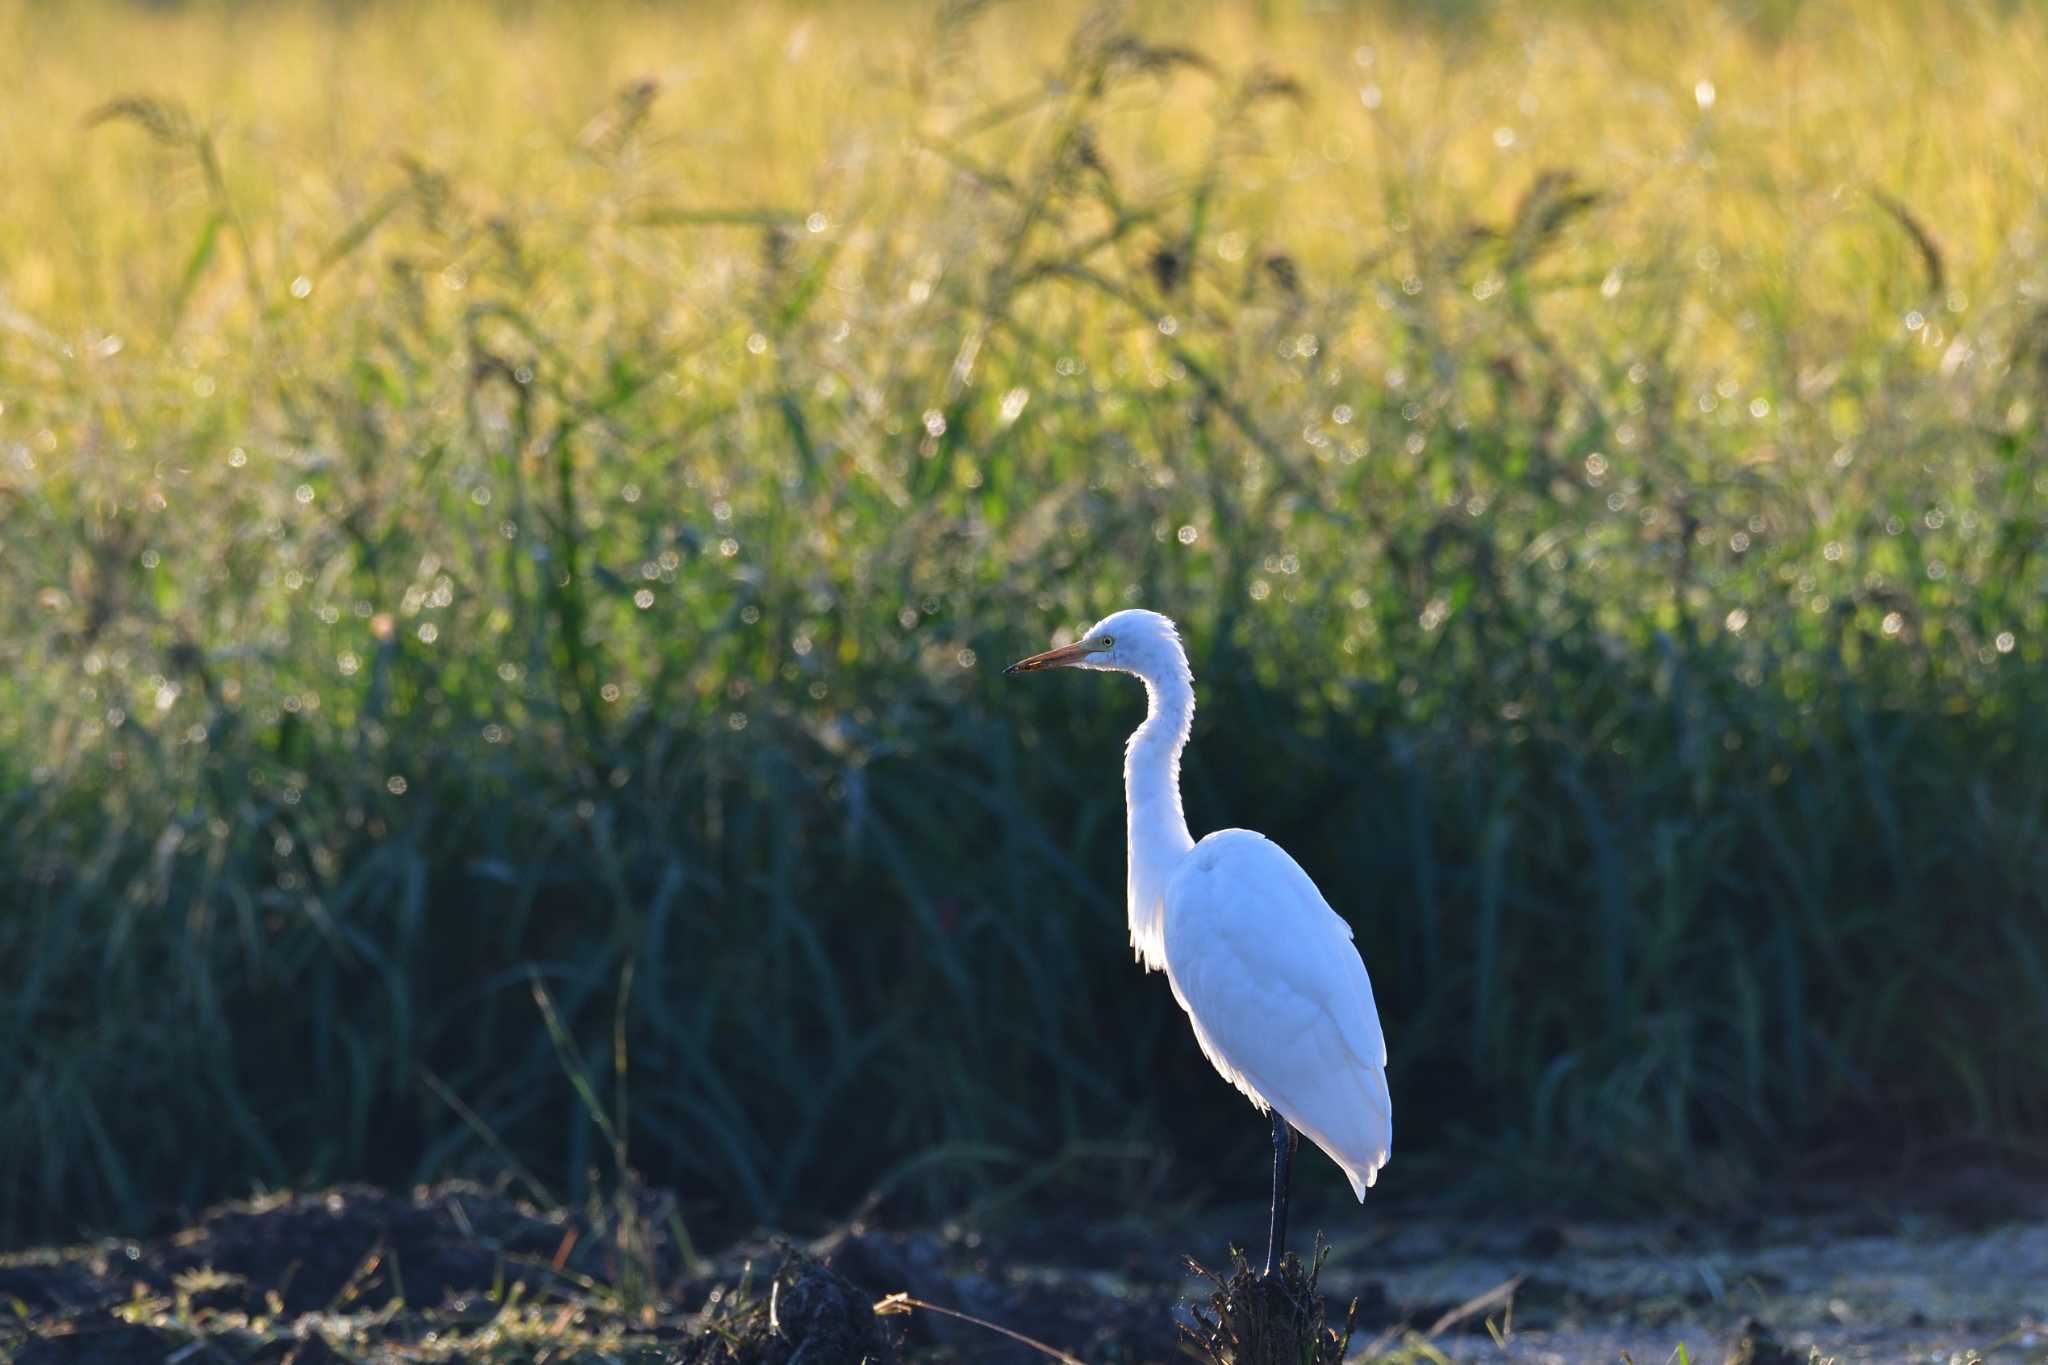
pixel 460 1272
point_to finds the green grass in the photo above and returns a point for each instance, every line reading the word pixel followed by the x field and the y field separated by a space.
pixel 468 516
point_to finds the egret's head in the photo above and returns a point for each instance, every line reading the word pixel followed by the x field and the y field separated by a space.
pixel 1134 641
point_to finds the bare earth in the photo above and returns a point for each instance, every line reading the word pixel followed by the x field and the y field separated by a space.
pixel 464 1273
pixel 1927 1294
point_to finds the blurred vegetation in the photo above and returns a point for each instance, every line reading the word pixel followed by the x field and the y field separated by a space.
pixel 487 487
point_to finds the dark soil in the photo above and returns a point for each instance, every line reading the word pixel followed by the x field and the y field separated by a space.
pixel 817 1317
pixel 465 1273
pixel 348 1250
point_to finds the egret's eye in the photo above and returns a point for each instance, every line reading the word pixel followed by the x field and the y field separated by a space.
pixel 1109 642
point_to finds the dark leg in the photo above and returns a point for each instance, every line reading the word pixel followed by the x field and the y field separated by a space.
pixel 1284 1141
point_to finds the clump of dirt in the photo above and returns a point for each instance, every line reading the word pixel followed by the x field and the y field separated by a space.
pixel 1098 1316
pixel 360 1247
pixel 350 1249
pixel 1756 1345
pixel 812 1315
pixel 1278 1319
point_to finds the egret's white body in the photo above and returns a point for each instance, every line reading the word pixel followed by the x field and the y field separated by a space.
pixel 1266 970
pixel 1279 996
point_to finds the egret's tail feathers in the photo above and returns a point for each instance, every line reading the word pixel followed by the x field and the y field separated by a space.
pixel 1372 1148
pixel 1363 1177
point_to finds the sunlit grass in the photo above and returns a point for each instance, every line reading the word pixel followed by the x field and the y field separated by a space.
pixel 497 485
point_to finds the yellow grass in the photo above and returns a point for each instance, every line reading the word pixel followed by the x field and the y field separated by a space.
pixel 1759 140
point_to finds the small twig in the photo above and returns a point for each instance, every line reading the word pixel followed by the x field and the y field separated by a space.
pixel 903 1303
pixel 1405 1329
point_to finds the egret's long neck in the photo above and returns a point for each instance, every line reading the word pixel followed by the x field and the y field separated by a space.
pixel 1158 829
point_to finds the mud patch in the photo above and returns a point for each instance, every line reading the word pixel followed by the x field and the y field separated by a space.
pixel 464 1273
pixel 813 1316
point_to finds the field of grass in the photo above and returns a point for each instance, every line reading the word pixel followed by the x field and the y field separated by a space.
pixel 497 494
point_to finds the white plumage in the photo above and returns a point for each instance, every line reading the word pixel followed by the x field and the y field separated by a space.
pixel 1265 969
pixel 1279 997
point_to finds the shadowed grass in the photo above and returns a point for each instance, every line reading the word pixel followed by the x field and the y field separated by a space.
pixel 491 499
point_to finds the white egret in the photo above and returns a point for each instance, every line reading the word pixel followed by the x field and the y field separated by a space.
pixel 1265 969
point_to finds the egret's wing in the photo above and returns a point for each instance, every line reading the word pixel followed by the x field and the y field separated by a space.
pixel 1279 997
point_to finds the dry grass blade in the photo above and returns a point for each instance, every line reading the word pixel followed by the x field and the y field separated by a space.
pixel 608 133
pixel 476 1124
pixel 1501 1295
pixel 737 217
pixel 166 120
pixel 895 1304
pixel 1923 240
